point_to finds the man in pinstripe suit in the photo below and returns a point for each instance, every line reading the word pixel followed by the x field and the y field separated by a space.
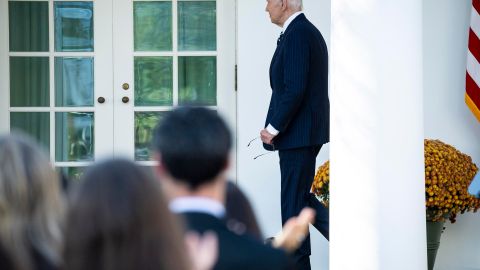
pixel 297 123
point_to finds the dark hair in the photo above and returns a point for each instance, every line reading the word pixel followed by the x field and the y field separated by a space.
pixel 239 213
pixel 194 144
pixel 119 220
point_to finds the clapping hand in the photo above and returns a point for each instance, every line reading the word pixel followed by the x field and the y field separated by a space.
pixel 203 250
pixel 294 231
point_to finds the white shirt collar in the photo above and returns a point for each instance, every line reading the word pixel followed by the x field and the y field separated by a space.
pixel 197 204
pixel 290 19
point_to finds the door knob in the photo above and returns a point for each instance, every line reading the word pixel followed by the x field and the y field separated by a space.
pixel 125 99
pixel 101 100
pixel 125 86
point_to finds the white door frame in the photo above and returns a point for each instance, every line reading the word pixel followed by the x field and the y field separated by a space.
pixel 4 74
pixel 103 38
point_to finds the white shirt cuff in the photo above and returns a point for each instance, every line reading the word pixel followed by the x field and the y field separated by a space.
pixel 272 130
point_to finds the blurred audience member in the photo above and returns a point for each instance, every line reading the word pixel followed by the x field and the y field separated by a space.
pixel 119 220
pixel 241 220
pixel 193 146
pixel 30 206
pixel 239 213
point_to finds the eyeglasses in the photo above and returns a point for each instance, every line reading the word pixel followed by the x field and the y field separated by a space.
pixel 252 140
pixel 266 153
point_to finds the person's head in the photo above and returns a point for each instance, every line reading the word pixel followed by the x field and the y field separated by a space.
pixel 30 203
pixel 239 213
pixel 119 219
pixel 280 10
pixel 193 146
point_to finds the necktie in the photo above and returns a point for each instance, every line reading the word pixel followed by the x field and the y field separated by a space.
pixel 280 38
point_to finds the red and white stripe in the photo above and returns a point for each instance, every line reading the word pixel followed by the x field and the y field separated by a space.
pixel 472 96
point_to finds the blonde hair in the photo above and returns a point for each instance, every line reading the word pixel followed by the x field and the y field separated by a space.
pixel 30 203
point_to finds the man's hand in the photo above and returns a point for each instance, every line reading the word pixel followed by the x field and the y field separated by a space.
pixel 266 136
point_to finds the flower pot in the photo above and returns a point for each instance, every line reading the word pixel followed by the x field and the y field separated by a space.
pixel 434 232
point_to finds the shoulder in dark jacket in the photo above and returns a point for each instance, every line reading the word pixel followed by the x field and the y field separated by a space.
pixel 238 252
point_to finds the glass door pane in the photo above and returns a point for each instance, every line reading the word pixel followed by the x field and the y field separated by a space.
pixel 29 81
pixel 153 80
pixel 145 123
pixel 35 124
pixel 28 26
pixel 74 81
pixel 73 26
pixel 152 26
pixel 197 80
pixel 74 140
pixel 197 25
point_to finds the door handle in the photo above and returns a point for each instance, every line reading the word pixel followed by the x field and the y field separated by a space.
pixel 125 99
pixel 125 86
pixel 101 100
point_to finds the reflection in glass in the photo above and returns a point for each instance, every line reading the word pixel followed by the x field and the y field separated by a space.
pixel 197 80
pixel 145 123
pixel 35 124
pixel 28 26
pixel 73 26
pixel 197 26
pixel 153 81
pixel 152 26
pixel 29 82
pixel 71 174
pixel 74 136
pixel 73 81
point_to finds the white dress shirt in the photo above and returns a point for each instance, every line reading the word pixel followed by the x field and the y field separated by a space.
pixel 197 204
pixel 272 130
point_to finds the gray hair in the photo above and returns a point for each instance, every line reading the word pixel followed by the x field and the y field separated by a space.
pixel 295 4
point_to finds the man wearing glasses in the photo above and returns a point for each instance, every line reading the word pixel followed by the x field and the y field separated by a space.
pixel 297 123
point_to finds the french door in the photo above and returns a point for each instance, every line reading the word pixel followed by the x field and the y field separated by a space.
pixel 90 79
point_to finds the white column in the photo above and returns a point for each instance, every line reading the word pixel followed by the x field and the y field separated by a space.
pixel 377 188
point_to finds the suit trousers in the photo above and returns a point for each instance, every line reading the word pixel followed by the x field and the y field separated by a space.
pixel 297 168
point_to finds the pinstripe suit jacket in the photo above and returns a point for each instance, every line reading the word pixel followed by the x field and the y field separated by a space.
pixel 299 106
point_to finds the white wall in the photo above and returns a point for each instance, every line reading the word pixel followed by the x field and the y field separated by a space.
pixel 446 116
pixel 260 178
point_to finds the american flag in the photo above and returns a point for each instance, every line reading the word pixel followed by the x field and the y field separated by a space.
pixel 472 96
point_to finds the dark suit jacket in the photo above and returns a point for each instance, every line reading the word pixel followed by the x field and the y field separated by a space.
pixel 237 252
pixel 299 106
